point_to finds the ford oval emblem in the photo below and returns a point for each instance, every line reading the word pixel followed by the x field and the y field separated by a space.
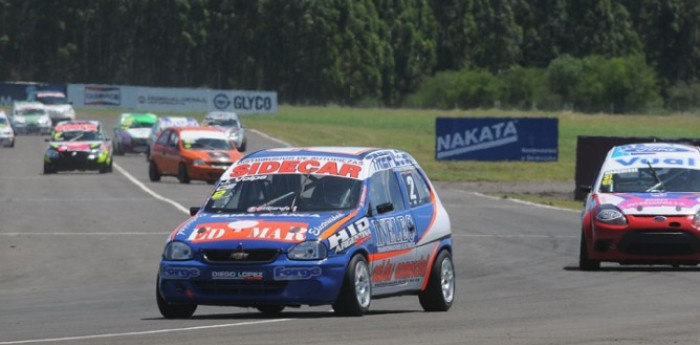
pixel 660 219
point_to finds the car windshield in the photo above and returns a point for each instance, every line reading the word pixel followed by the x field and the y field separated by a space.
pixel 285 193
pixel 32 112
pixel 205 140
pixel 3 121
pixel 52 100
pixel 138 124
pixel 77 136
pixel 648 180
pixel 223 122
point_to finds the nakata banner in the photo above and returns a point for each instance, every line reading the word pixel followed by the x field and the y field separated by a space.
pixel 497 139
pixel 164 99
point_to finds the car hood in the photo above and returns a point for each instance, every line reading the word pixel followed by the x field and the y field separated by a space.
pixel 75 146
pixel 31 118
pixel 257 230
pixel 216 155
pixel 653 203
pixel 139 133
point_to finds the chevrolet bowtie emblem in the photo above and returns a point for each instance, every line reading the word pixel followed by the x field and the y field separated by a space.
pixel 238 255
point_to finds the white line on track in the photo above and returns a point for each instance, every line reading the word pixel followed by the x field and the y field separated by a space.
pixel 515 236
pixel 114 335
pixel 268 137
pixel 149 191
pixel 533 204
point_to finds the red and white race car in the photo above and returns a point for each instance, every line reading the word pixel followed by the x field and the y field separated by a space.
pixel 644 207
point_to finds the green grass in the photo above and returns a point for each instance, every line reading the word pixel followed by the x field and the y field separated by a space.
pixel 413 130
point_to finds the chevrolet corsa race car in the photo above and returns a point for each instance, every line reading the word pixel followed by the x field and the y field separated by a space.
pixel 312 226
pixel 78 145
pixel 131 133
pixel 644 207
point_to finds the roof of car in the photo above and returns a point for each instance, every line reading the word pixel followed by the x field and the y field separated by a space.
pixel 222 115
pixel 50 94
pixel 353 162
pixel 662 155
pixel 78 125
pixel 196 128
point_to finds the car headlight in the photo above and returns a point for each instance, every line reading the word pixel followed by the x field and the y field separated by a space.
pixel 178 251
pixel 51 153
pixel 311 250
pixel 198 162
pixel 610 215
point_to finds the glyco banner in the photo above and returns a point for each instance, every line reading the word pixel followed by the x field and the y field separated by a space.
pixel 163 99
pixel 497 139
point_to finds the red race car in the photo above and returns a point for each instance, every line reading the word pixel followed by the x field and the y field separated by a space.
pixel 644 208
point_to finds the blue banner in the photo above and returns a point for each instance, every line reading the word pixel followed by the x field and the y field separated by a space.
pixel 497 139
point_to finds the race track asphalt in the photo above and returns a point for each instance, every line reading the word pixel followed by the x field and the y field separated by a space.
pixel 79 254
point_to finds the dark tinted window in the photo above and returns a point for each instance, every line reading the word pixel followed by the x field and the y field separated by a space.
pixel 416 187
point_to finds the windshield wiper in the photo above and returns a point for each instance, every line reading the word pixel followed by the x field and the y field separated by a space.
pixel 658 180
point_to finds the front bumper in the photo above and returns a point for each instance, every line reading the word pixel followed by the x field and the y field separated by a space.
pixel 134 145
pixel 77 160
pixel 7 141
pixel 645 240
pixel 32 128
pixel 282 282
pixel 207 172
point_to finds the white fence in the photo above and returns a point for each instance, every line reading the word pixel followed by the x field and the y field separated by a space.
pixel 165 99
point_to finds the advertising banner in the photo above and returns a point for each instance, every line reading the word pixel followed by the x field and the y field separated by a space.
pixel 497 139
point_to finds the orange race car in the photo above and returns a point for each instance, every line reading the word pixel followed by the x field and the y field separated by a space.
pixel 191 153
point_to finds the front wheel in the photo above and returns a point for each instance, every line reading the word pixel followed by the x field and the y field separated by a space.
pixel 49 169
pixel 356 292
pixel 440 292
pixel 182 174
pixel 174 311
pixel 584 263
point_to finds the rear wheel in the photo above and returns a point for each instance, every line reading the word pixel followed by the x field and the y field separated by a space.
pixel 153 172
pixel 49 169
pixel 182 174
pixel 118 148
pixel 356 292
pixel 440 292
pixel 584 263
pixel 173 311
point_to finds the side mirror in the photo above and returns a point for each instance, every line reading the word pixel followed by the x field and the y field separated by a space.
pixel 384 208
pixel 194 211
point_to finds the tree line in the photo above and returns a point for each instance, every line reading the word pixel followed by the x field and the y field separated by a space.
pixel 376 52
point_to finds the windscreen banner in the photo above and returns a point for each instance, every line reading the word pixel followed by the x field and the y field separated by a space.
pixel 497 139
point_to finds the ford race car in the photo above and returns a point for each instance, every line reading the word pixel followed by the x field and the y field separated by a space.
pixel 78 145
pixel 312 226
pixel 30 117
pixel 57 105
pixel 7 135
pixel 131 133
pixel 644 207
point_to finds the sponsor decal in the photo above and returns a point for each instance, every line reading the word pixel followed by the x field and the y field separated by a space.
pixel 236 275
pixel 659 200
pixel 102 95
pixel 309 166
pixel 255 103
pixel 293 232
pixel 679 161
pixel 398 273
pixel 353 234
pixel 646 150
pixel 478 138
pixel 76 127
pixel 384 160
pixel 171 100
pixel 394 233
pixel 296 273
pixel 175 272
pixel 316 230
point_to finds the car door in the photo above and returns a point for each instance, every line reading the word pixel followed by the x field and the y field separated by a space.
pixel 393 229
pixel 158 153
pixel 171 152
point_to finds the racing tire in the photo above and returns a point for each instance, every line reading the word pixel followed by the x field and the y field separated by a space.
pixel 12 144
pixel 118 149
pixel 182 174
pixel 243 146
pixel 356 291
pixel 153 173
pixel 49 169
pixel 174 311
pixel 270 310
pixel 440 291
pixel 584 263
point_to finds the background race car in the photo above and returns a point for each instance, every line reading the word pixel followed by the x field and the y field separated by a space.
pixel 7 135
pixel 231 123
pixel 167 122
pixel 78 145
pixel 30 117
pixel 131 133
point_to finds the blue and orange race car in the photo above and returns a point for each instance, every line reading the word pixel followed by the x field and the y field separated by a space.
pixel 312 226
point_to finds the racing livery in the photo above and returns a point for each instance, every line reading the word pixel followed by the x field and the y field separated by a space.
pixel 131 133
pixel 78 145
pixel 644 207
pixel 312 226
pixel 7 135
pixel 167 122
